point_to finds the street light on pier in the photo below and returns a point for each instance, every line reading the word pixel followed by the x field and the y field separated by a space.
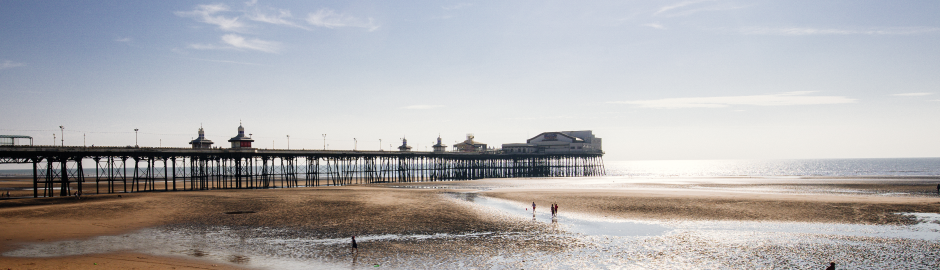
pixel 380 144
pixel 355 144
pixel 135 138
pixel 63 135
pixel 288 142
pixel 324 141
pixel 53 139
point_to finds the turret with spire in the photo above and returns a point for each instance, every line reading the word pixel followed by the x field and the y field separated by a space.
pixel 439 147
pixel 201 141
pixel 241 141
pixel 404 145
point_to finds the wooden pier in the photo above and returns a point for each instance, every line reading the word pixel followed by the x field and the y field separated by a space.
pixel 136 169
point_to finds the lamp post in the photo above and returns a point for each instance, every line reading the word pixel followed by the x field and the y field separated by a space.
pixel 53 139
pixel 380 144
pixel 135 138
pixel 63 135
pixel 355 144
pixel 288 142
pixel 324 141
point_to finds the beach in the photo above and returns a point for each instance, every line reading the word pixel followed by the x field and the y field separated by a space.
pixel 438 223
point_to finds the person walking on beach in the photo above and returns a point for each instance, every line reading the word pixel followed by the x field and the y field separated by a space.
pixel 533 207
pixel 355 247
pixel 556 209
pixel 553 209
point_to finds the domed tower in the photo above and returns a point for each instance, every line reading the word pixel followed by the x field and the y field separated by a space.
pixel 201 141
pixel 439 147
pixel 241 141
pixel 404 145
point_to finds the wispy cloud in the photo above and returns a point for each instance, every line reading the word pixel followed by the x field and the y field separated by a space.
pixel 251 44
pixel 422 107
pixel 278 17
pixel 126 39
pixel 225 61
pixel 330 19
pixel 208 14
pixel 677 6
pixel 207 47
pixel 782 99
pixel 10 64
pixel 253 16
pixel 912 94
pixel 236 42
pixel 457 6
pixel 803 31
pixel 654 25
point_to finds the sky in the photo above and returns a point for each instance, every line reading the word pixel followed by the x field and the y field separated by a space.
pixel 655 79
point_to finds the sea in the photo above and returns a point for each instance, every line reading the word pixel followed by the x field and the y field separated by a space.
pixel 776 167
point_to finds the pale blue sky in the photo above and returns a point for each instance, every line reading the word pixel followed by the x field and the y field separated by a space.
pixel 654 79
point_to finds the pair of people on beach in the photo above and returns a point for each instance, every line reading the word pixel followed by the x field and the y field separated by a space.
pixel 554 209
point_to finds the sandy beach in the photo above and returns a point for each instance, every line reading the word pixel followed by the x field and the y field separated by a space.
pixel 431 208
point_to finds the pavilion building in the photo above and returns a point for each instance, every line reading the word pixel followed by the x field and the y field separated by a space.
pixel 439 147
pixel 201 141
pixel 470 145
pixel 581 141
pixel 241 141
pixel 404 145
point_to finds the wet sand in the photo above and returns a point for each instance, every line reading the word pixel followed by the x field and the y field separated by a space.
pixel 420 209
pixel 330 212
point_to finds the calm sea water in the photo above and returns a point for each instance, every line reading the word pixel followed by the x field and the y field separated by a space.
pixel 717 168
pixel 790 167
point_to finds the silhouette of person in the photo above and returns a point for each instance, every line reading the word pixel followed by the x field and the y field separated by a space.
pixel 832 266
pixel 355 247
pixel 533 207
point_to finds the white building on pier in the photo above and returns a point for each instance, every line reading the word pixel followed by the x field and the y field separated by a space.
pixel 582 141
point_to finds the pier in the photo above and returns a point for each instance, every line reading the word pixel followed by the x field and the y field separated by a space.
pixel 67 169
